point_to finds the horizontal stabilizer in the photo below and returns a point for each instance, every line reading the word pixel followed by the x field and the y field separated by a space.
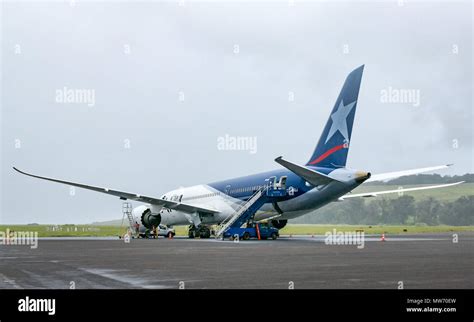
pixel 314 177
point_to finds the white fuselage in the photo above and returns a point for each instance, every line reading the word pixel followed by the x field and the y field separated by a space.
pixel 226 205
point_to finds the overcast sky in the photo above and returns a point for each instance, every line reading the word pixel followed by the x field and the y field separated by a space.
pixel 169 79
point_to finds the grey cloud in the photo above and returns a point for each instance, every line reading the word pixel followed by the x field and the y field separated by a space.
pixel 190 49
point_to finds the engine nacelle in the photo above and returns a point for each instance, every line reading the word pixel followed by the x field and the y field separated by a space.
pixel 148 219
pixel 279 224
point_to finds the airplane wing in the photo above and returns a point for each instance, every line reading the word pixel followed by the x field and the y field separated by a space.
pixel 313 177
pixel 131 196
pixel 376 193
pixel 392 175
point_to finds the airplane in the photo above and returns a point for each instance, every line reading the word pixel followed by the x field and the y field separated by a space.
pixel 322 180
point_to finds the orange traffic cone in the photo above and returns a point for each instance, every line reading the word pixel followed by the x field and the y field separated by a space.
pixel 383 237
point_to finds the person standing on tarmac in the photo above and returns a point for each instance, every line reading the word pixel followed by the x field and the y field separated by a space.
pixel 137 227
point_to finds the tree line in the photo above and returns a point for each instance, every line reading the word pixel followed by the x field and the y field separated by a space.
pixel 402 210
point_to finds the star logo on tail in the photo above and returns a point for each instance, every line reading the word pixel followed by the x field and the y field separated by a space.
pixel 339 120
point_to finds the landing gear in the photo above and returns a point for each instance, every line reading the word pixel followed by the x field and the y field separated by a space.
pixel 279 224
pixel 206 233
pixel 201 231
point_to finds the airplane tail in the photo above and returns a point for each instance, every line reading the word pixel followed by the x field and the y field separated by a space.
pixel 333 145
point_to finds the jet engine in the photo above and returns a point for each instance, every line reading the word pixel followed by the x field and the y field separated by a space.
pixel 147 217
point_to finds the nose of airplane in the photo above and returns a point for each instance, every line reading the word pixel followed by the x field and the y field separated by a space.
pixel 361 176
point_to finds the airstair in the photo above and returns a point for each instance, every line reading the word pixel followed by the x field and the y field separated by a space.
pixel 265 193
pixel 127 211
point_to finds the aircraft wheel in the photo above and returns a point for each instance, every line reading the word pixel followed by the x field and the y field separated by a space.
pixel 204 232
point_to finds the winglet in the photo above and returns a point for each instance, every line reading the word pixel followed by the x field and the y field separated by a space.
pixel 18 170
pixel 26 174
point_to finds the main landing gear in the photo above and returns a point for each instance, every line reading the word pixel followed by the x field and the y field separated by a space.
pixel 200 231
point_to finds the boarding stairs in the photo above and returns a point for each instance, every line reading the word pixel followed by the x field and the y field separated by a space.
pixel 127 211
pixel 269 191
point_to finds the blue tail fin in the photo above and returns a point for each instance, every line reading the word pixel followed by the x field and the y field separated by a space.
pixel 333 145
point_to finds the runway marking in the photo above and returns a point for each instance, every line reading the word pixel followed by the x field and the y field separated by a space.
pixel 113 274
pixel 8 281
pixel 81 238
pixel 372 238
